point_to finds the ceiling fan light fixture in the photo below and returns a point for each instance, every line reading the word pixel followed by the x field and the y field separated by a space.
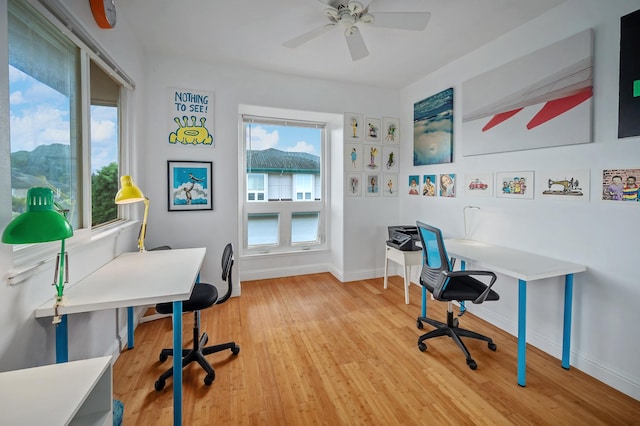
pixel 351 31
pixel 367 18
pixel 355 7
pixel 347 20
pixel 330 12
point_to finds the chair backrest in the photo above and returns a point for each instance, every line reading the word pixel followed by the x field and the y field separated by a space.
pixel 434 254
pixel 227 266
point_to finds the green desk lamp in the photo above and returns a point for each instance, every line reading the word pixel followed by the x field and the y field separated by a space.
pixel 130 193
pixel 40 224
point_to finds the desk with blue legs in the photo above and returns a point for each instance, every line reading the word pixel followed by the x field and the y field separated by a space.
pixel 524 267
pixel 134 279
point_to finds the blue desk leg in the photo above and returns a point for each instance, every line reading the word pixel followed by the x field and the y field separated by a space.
pixel 177 363
pixel 463 307
pixel 424 302
pixel 62 341
pixel 522 332
pixel 130 327
pixel 566 334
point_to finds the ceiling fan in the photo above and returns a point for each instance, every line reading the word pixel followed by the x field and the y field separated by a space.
pixel 349 13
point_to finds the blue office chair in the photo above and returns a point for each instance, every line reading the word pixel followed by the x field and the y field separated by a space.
pixel 447 285
pixel 203 296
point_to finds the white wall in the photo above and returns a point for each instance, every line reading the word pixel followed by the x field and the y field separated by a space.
pixel 25 341
pixel 605 236
pixel 236 88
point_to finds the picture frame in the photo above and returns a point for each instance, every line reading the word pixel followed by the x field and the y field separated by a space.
pixel 447 185
pixel 353 127
pixel 390 185
pixel 433 129
pixel 413 185
pixel 429 186
pixel 621 185
pixel 391 130
pixel 390 158
pixel 515 185
pixel 563 185
pixel 189 185
pixel 353 153
pixel 372 184
pixel 353 184
pixel 372 129
pixel 478 184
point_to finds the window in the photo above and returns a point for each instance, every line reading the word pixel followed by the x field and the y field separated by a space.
pixel 284 209
pixel 47 116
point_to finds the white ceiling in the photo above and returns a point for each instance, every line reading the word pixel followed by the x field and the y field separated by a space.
pixel 250 33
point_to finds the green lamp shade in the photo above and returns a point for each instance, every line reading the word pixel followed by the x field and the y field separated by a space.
pixel 129 193
pixel 40 223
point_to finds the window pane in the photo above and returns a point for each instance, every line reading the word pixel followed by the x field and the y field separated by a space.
pixel 105 95
pixel 262 229
pixel 44 111
pixel 255 182
pixel 304 227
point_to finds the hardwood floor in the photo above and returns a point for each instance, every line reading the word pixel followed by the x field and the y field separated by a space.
pixel 317 351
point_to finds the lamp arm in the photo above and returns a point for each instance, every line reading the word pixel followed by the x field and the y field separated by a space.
pixel 61 271
pixel 143 230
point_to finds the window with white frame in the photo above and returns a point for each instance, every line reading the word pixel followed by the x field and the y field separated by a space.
pixel 285 159
pixel 48 74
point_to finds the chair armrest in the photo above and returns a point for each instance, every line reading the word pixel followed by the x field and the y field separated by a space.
pixel 452 274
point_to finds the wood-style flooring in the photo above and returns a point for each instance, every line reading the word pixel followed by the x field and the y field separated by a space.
pixel 315 351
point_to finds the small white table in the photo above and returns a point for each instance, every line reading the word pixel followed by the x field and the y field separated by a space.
pixel 524 267
pixel 406 259
pixel 134 279
pixel 78 393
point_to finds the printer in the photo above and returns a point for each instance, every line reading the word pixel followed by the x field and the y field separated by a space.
pixel 404 237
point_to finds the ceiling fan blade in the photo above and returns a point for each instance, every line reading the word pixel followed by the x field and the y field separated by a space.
pixel 309 35
pixel 416 21
pixel 356 45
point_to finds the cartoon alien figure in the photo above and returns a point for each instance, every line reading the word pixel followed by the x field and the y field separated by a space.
pixel 191 134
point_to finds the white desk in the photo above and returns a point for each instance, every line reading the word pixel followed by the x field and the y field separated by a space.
pixel 406 259
pixel 78 393
pixel 134 279
pixel 524 267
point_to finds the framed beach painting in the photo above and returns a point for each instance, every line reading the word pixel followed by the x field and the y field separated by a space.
pixel 433 129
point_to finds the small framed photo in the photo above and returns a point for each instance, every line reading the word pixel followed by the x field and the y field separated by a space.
pixel 514 185
pixel 390 185
pixel 447 183
pixel 372 185
pixel 621 185
pixel 373 154
pixel 391 130
pixel 353 127
pixel 478 184
pixel 372 129
pixel 189 185
pixel 353 157
pixel 414 184
pixel 563 185
pixel 353 184
pixel 429 185
pixel 390 156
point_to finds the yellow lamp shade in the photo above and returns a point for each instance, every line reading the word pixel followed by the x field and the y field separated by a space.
pixel 128 193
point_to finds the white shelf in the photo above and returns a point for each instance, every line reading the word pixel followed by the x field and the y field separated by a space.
pixel 74 393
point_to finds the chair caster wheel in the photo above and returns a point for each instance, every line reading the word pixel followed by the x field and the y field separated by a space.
pixel 235 350
pixel 159 384
pixel 419 325
pixel 422 347
pixel 163 357
pixel 455 322
pixel 493 346
pixel 472 364
pixel 209 379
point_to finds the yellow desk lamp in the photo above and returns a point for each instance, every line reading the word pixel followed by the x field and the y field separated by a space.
pixel 39 224
pixel 130 193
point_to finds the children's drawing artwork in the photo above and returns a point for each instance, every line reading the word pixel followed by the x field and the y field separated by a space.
pixel 565 185
pixel 514 185
pixel 190 120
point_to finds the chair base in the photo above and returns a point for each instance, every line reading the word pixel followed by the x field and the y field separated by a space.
pixel 452 330
pixel 196 353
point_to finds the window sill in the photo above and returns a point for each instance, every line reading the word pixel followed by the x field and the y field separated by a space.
pixel 30 259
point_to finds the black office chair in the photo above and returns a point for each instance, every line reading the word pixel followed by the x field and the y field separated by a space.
pixel 203 296
pixel 447 285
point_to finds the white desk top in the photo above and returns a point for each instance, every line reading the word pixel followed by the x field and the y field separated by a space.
pixel 514 263
pixel 48 395
pixel 133 279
